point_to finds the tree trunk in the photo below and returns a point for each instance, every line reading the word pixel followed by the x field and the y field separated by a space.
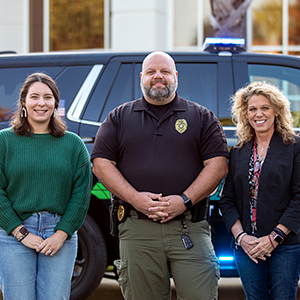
pixel 228 17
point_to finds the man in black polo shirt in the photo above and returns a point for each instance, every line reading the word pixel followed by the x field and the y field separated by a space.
pixel 161 156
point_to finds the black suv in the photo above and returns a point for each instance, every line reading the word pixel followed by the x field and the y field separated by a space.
pixel 91 84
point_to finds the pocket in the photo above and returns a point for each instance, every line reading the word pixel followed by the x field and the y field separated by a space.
pixel 122 271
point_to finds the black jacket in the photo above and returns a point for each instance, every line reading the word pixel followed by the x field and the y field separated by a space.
pixel 278 199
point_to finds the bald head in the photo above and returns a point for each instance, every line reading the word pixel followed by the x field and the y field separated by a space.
pixel 161 56
pixel 159 78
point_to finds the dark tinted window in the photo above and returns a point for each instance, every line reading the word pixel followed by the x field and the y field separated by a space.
pixel 11 81
pixel 122 90
pixel 69 83
pixel 286 78
pixel 112 90
pixel 198 83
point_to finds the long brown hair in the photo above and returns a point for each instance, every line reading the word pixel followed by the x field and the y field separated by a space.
pixel 21 126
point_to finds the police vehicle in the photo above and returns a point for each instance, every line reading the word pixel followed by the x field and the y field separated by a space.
pixel 93 83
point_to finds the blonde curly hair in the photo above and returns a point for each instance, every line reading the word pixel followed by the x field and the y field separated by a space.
pixel 281 105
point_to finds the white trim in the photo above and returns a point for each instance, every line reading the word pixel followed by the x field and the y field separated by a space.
pixel 107 25
pixel 81 98
pixel 170 25
pixel 285 26
pixel 46 26
pixel 200 24
pixel 26 27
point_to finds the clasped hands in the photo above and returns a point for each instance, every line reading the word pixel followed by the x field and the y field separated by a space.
pixel 256 248
pixel 160 208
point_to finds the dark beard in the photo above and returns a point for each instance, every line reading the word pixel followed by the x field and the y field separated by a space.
pixel 159 95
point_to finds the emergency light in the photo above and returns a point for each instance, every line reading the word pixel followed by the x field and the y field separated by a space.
pixel 216 44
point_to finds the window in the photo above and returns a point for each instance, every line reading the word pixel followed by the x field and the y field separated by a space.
pixel 198 83
pixel 76 24
pixel 11 83
pixel 110 92
pixel 287 79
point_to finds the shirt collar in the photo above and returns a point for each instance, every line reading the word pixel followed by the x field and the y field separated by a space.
pixel 177 104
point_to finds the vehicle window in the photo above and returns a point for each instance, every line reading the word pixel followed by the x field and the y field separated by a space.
pixel 11 84
pixel 286 78
pixel 122 90
pixel 69 83
pixel 110 92
pixel 137 81
pixel 198 83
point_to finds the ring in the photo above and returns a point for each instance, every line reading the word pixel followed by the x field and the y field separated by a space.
pixel 49 252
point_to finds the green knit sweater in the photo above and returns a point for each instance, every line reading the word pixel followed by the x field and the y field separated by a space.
pixel 43 173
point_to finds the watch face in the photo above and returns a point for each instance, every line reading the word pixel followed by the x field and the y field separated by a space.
pixel 23 230
pixel 279 239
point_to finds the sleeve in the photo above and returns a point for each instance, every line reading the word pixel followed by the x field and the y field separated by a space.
pixel 106 141
pixel 80 196
pixel 9 219
pixel 213 139
pixel 291 216
pixel 228 205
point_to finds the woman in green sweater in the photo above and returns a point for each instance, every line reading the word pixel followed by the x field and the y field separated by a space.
pixel 45 185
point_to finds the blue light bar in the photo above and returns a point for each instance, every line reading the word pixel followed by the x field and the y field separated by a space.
pixel 226 258
pixel 225 41
pixel 216 44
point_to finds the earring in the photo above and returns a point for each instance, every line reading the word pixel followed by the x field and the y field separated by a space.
pixel 24 112
pixel 54 112
pixel 247 123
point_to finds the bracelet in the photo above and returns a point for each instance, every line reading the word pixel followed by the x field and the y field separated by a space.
pixel 23 236
pixel 271 242
pixel 237 237
pixel 280 232
pixel 240 236
pixel 60 236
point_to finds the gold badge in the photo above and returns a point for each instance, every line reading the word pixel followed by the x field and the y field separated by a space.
pixel 181 125
pixel 121 212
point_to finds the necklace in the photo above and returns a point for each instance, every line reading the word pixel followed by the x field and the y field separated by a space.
pixel 263 150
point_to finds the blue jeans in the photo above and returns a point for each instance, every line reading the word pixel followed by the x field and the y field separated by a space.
pixel 26 274
pixel 275 278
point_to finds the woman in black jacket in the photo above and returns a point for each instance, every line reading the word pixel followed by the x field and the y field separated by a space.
pixel 261 199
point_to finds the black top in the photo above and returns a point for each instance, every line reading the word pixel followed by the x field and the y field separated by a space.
pixel 160 155
pixel 278 199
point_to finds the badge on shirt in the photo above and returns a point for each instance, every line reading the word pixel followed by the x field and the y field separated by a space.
pixel 181 125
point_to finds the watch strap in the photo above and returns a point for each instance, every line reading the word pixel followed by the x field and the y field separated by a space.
pixel 187 202
pixel 279 239
pixel 24 232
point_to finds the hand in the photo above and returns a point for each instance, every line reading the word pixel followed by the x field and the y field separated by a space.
pixel 145 200
pixel 175 208
pixel 248 242
pixel 261 248
pixel 32 241
pixel 51 245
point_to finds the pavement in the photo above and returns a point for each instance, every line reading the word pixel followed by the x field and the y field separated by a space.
pixel 229 289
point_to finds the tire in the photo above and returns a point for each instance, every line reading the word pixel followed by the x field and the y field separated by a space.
pixel 91 260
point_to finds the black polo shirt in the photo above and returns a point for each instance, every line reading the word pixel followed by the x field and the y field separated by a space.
pixel 160 155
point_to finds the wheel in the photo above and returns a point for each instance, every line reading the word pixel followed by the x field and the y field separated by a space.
pixel 91 260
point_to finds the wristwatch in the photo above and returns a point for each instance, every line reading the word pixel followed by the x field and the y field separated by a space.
pixel 279 239
pixel 187 202
pixel 24 232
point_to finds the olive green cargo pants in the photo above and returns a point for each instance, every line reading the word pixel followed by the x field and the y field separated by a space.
pixel 149 251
